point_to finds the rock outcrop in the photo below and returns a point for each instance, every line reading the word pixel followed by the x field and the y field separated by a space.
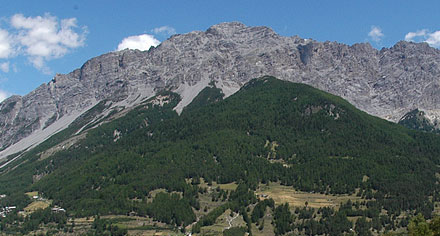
pixel 387 83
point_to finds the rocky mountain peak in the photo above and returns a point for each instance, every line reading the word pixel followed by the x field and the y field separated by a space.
pixel 226 28
pixel 386 83
pixel 363 48
pixel 231 29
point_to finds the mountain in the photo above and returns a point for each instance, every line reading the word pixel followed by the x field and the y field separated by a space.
pixel 387 83
pixel 270 131
pixel 418 120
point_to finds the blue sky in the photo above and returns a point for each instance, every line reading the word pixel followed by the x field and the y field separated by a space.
pixel 41 38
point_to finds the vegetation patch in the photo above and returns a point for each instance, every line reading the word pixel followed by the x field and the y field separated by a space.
pixel 225 221
pixel 264 226
pixel 287 194
pixel 217 150
pixel 32 194
pixel 36 205
pixel 213 185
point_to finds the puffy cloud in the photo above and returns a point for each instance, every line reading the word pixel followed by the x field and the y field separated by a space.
pixel 4 95
pixel 45 37
pixel 168 30
pixel 4 67
pixel 376 33
pixel 433 39
pixel 411 35
pixel 5 44
pixel 141 42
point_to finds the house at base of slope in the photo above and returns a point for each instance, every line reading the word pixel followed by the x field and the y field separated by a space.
pixel 58 209
pixel 4 211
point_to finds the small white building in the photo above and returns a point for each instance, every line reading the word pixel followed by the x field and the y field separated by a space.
pixel 6 210
pixel 58 209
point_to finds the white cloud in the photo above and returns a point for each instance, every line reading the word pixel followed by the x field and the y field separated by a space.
pixel 411 35
pixel 168 30
pixel 5 44
pixel 43 38
pixel 141 42
pixel 4 67
pixel 433 39
pixel 4 95
pixel 376 33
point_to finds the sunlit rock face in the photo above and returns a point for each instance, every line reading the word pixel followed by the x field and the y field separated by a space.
pixel 386 83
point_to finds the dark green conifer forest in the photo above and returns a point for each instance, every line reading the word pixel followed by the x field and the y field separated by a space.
pixel 269 131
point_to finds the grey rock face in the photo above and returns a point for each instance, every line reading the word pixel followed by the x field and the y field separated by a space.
pixel 386 83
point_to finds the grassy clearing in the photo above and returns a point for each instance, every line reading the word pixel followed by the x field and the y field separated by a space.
pixel 286 194
pixel 32 194
pixel 223 222
pixel 153 233
pixel 156 191
pixel 229 186
pixel 37 205
pixel 153 194
pixel 137 225
pixel 206 201
pixel 84 220
pixel 268 229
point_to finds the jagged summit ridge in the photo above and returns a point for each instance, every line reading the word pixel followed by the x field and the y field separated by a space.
pixel 386 83
pixel 226 28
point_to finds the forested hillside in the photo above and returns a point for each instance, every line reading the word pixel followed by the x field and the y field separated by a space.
pixel 269 131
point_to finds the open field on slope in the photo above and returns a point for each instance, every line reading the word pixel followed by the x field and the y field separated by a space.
pixel 268 229
pixel 229 186
pixel 137 225
pixel 287 194
pixel 37 205
pixel 153 233
pixel 224 221
pixel 206 202
pixel 32 194
pixel 83 220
